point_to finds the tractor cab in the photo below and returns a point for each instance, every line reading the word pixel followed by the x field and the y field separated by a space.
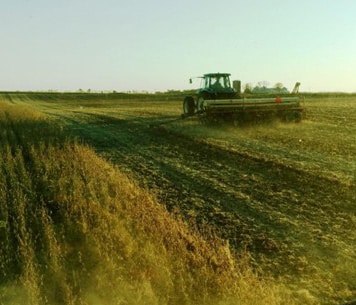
pixel 216 86
pixel 216 82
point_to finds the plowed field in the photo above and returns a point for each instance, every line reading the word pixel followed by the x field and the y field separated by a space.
pixel 286 193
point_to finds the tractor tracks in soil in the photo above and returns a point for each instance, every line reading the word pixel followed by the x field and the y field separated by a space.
pixel 249 200
pixel 296 225
pixel 274 211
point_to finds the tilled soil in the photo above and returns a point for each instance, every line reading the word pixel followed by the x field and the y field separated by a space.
pixel 294 223
pixel 254 203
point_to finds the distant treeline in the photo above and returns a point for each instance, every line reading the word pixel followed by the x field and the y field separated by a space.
pixel 168 95
pixel 46 95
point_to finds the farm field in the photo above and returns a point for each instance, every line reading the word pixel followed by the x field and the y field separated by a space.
pixel 285 193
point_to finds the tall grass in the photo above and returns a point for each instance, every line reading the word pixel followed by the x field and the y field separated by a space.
pixel 74 230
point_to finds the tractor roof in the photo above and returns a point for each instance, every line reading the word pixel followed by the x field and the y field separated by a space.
pixel 216 74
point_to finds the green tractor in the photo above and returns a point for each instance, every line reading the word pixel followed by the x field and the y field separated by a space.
pixel 217 98
pixel 215 86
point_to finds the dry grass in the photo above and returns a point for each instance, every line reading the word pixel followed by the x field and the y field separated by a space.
pixel 74 230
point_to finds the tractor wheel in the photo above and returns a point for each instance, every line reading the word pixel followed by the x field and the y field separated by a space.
pixel 188 106
pixel 201 103
pixel 292 116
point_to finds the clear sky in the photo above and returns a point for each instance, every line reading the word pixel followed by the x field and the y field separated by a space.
pixel 157 45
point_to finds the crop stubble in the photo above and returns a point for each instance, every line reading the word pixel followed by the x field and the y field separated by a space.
pixel 284 192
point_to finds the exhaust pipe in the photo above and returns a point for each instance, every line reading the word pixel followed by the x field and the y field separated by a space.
pixel 236 84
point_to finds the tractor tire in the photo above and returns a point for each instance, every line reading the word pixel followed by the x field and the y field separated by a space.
pixel 188 106
pixel 292 117
pixel 201 104
pixel 201 101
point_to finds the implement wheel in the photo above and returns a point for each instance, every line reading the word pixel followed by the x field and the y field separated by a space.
pixel 292 116
pixel 188 106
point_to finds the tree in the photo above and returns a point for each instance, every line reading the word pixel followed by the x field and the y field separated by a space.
pixel 262 84
pixel 278 86
pixel 248 88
